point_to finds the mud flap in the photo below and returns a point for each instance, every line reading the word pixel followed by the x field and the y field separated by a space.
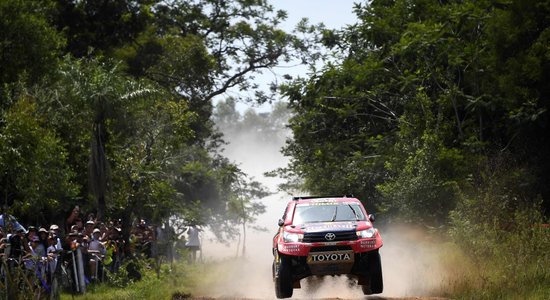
pixel 363 280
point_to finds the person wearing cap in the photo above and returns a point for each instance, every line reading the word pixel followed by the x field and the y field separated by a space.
pixel 114 248
pixel 97 250
pixel 74 228
pixel 89 228
pixel 19 244
pixel 31 232
pixel 71 240
pixel 52 253
pixel 96 243
pixel 37 247
pixel 43 236
pixel 55 233
pixel 32 253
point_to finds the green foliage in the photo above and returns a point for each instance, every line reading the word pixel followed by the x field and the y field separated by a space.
pixel 99 27
pixel 18 285
pixel 94 114
pixel 425 93
pixel 29 44
pixel 241 206
pixel 500 227
pixel 121 124
pixel 178 278
pixel 185 65
pixel 417 194
pixel 35 173
pixel 510 259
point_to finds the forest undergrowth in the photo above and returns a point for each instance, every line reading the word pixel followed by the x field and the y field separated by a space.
pixel 501 263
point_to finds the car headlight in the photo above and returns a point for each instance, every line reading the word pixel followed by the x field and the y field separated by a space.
pixel 367 233
pixel 290 237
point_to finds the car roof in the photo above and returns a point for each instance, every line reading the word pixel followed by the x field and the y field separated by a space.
pixel 310 199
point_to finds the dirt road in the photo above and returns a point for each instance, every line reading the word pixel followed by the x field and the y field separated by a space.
pixel 411 262
pixel 189 297
pixel 413 268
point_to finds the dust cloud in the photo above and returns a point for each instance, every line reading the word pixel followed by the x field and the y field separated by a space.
pixel 411 262
pixel 413 266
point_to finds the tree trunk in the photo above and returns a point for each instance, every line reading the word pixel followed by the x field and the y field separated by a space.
pixel 244 238
pixel 98 169
pixel 238 246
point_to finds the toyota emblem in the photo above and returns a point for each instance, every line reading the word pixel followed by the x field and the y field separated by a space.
pixel 330 236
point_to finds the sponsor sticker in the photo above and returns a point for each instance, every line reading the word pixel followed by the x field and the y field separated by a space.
pixel 324 226
pixel 368 244
pixel 290 248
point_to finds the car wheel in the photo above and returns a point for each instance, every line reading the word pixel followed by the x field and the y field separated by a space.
pixel 283 276
pixel 376 284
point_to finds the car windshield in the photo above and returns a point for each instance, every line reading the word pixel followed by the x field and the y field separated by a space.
pixel 327 212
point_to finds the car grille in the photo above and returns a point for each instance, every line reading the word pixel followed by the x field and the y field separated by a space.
pixel 316 237
pixel 330 248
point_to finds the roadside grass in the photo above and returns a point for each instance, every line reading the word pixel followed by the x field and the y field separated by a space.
pixel 493 262
pixel 178 280
pixel 480 262
pixel 493 280
pixel 181 281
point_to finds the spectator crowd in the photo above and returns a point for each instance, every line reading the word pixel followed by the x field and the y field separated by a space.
pixel 91 245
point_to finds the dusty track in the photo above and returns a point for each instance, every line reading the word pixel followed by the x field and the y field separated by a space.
pixel 412 269
pixel 188 297
pixel 411 260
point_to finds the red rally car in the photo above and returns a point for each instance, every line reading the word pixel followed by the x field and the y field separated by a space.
pixel 326 236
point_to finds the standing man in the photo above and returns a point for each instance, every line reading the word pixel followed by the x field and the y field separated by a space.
pixel 193 243
pixel 97 251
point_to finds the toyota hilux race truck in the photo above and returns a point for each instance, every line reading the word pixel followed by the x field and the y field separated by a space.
pixel 326 236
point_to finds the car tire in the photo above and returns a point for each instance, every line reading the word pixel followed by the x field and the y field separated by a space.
pixel 283 277
pixel 376 283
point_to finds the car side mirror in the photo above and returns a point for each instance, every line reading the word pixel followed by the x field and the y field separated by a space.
pixel 372 218
pixel 281 222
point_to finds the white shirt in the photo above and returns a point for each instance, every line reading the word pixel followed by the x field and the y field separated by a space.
pixel 39 250
pixel 96 245
pixel 193 237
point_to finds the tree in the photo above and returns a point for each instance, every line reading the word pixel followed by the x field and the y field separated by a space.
pixel 131 102
pixel 29 45
pixel 36 179
pixel 241 37
pixel 97 95
pixel 423 88
pixel 124 129
pixel 242 207
pixel 99 27
pixel 155 171
pixel 200 50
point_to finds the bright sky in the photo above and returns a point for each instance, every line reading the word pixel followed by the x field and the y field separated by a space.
pixel 255 158
pixel 333 13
